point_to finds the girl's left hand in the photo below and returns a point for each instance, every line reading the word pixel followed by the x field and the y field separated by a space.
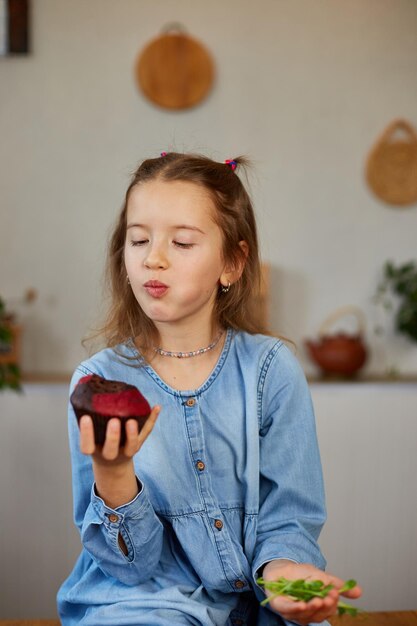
pixel 316 610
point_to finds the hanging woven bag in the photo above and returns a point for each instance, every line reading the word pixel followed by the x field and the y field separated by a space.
pixel 391 169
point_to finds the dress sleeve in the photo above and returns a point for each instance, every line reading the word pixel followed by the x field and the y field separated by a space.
pixel 100 525
pixel 291 499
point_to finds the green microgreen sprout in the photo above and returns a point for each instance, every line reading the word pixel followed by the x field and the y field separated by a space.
pixel 306 590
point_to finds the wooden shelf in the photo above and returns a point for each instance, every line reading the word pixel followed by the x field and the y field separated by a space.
pixel 360 380
pixel 383 618
pixel 47 378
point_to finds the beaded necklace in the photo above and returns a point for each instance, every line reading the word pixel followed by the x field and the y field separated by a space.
pixel 186 355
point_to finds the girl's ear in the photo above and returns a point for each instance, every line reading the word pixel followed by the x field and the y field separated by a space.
pixel 231 274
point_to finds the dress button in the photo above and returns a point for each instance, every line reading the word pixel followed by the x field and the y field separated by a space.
pixel 200 465
pixel 113 518
pixel 218 524
pixel 190 402
pixel 239 584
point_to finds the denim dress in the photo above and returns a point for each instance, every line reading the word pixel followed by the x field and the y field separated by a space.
pixel 230 478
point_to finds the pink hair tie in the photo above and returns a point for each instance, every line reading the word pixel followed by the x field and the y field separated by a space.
pixel 232 163
pixel 163 154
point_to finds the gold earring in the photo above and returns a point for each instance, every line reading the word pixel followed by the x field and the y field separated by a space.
pixel 226 289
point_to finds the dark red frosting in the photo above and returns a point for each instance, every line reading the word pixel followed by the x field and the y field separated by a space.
pixel 109 397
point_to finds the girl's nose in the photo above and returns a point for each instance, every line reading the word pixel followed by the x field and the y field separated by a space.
pixel 156 258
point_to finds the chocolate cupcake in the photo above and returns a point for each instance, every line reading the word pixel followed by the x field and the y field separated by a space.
pixel 103 399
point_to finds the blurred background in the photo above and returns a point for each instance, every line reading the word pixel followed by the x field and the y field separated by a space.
pixel 305 90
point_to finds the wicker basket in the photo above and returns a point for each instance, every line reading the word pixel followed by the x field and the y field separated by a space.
pixel 391 169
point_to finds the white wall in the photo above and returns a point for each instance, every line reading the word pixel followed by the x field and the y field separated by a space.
pixel 367 435
pixel 302 87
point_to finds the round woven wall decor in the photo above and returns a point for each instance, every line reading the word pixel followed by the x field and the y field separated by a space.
pixel 174 70
pixel 391 169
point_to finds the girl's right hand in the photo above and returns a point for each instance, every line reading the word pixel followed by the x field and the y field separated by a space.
pixel 110 454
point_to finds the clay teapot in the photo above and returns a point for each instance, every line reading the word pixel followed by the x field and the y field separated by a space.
pixel 339 354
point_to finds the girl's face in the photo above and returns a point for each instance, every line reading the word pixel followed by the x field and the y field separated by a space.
pixel 173 251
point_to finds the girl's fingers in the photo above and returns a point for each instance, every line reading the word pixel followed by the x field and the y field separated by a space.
pixel 87 444
pixel 111 443
pixel 111 448
pixel 131 445
pixel 294 613
pixel 306 617
pixel 316 610
pixel 321 610
pixel 149 424
pixel 134 439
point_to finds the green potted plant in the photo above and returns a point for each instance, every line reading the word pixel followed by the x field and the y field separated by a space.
pixel 10 375
pixel 400 281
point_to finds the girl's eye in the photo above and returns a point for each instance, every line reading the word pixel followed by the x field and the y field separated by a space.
pixel 140 242
pixel 180 244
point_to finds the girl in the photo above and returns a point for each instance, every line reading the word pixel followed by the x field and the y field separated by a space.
pixel 224 482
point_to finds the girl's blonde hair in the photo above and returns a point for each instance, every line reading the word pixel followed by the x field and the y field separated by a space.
pixel 235 217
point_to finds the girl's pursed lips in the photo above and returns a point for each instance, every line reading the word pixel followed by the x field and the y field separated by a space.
pixel 155 284
pixel 155 288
